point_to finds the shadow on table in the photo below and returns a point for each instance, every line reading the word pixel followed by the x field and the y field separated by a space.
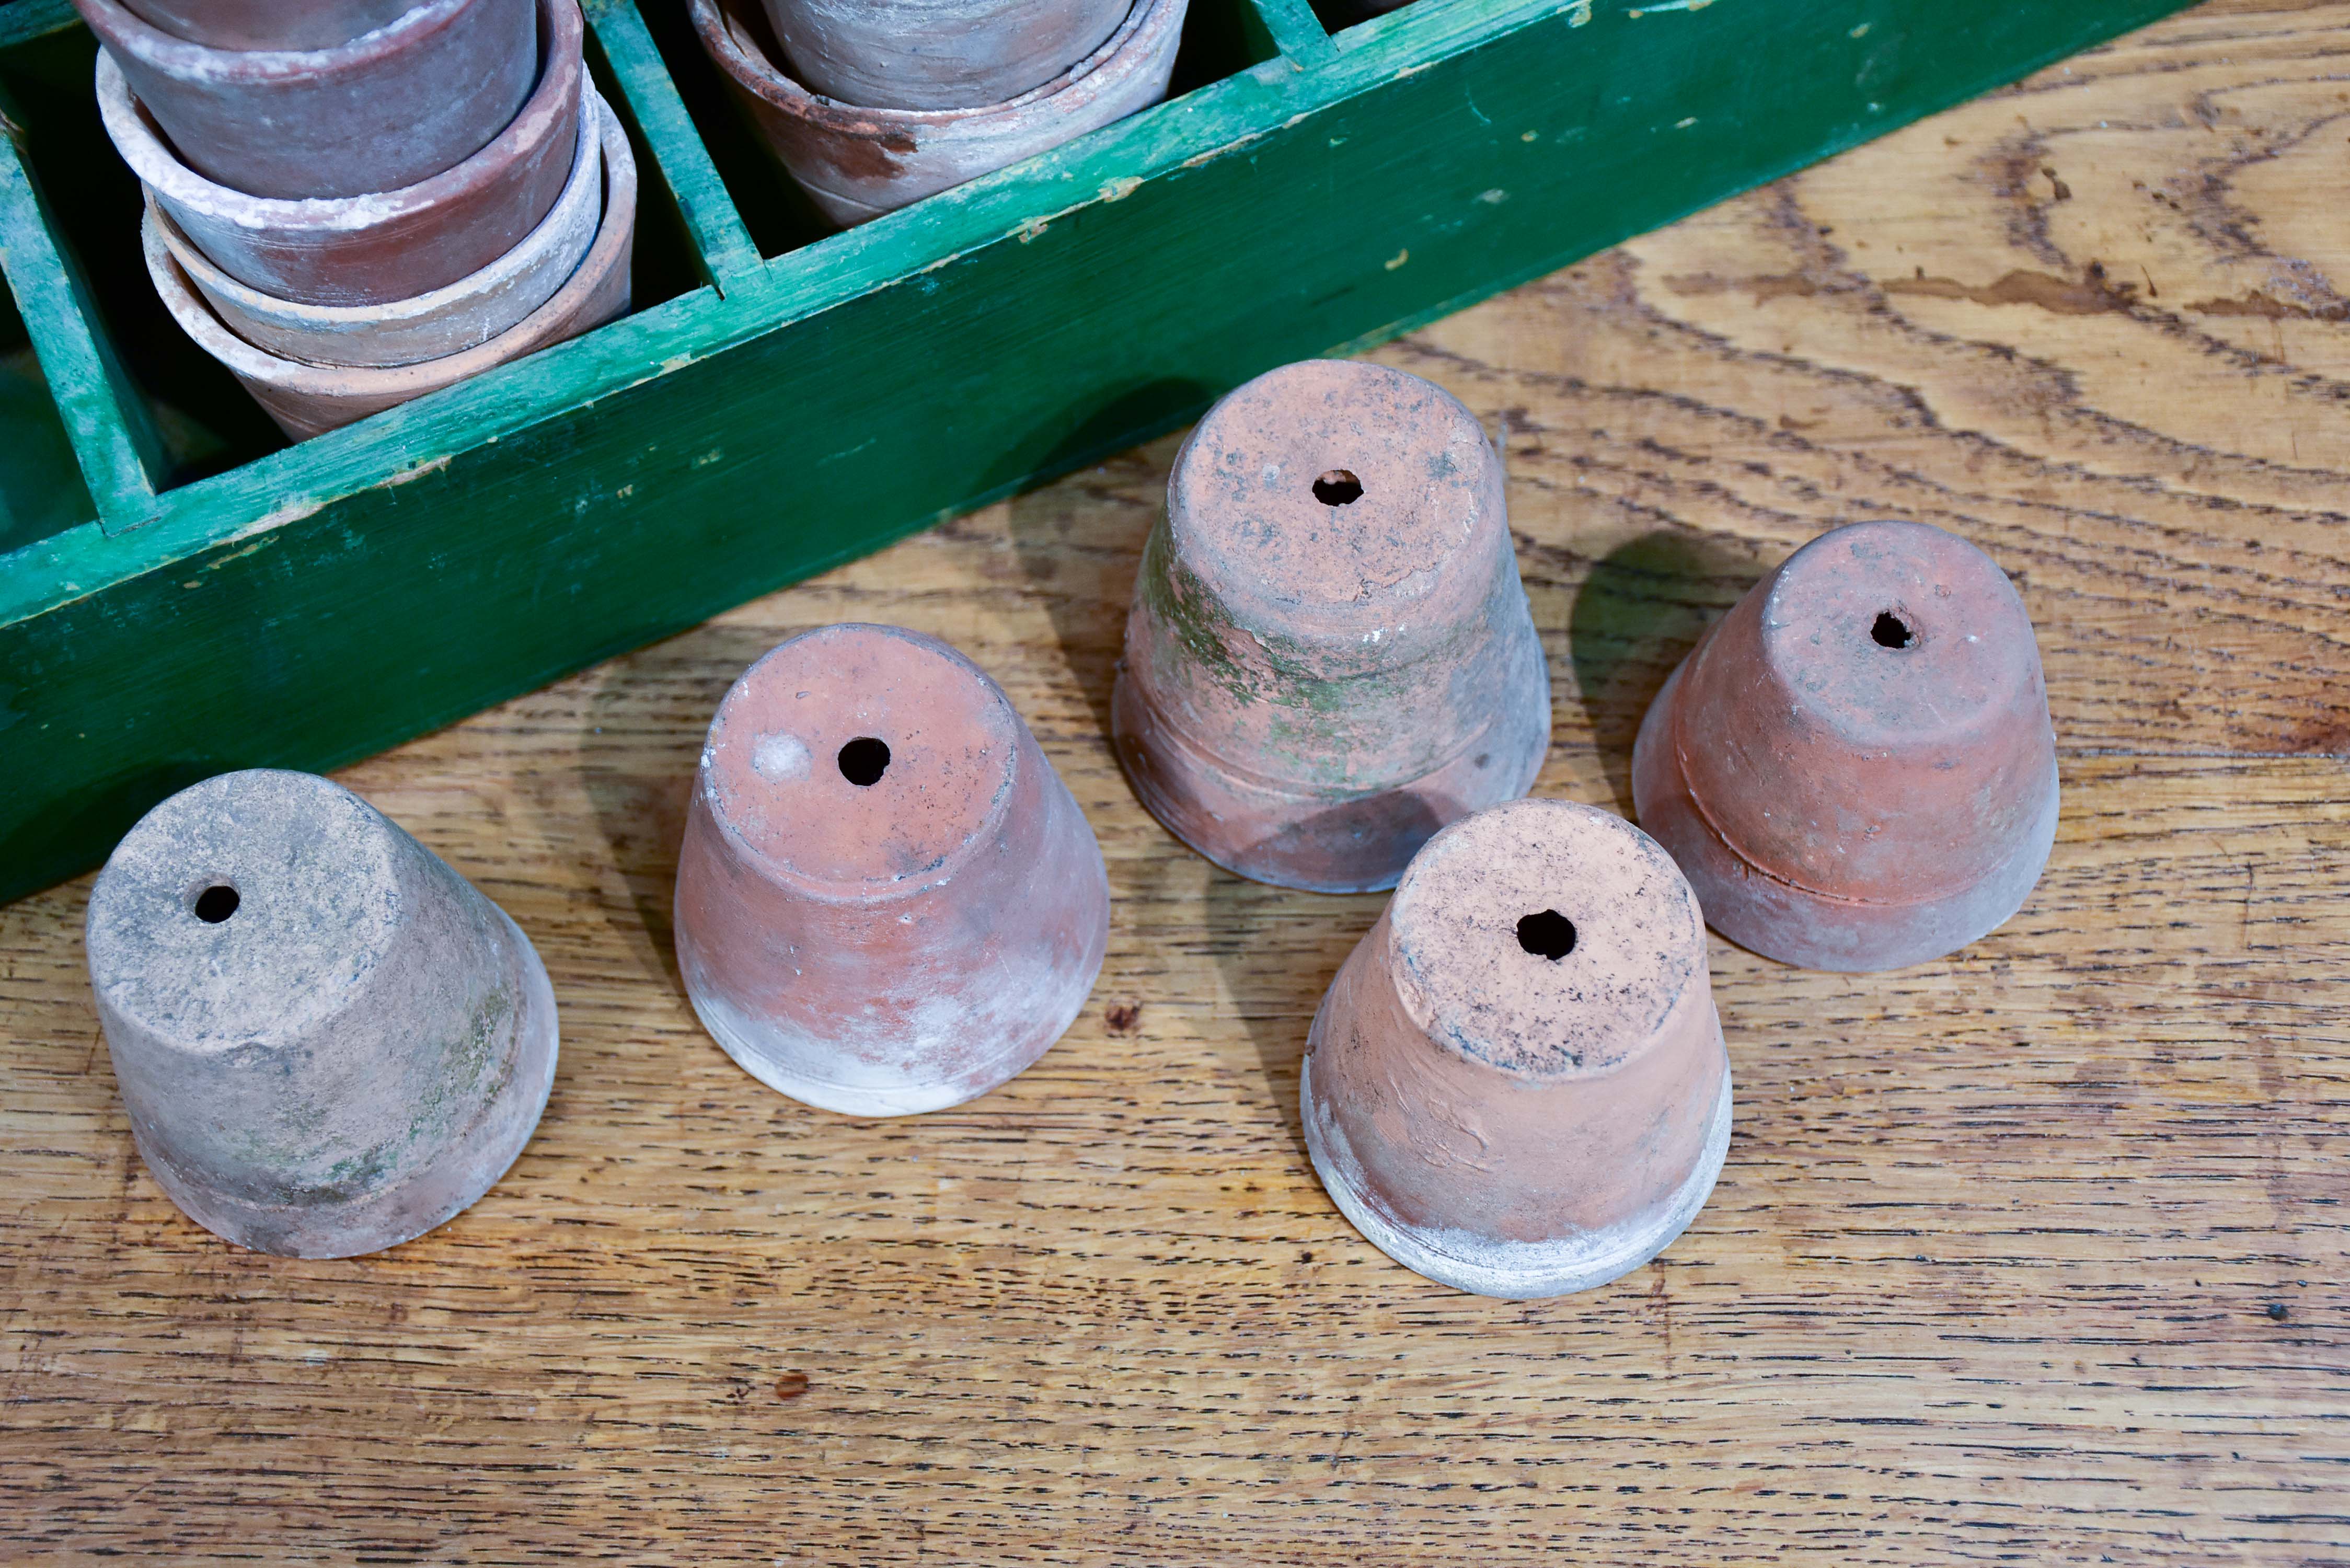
pixel 1078 538
pixel 645 724
pixel 1635 616
pixel 1278 950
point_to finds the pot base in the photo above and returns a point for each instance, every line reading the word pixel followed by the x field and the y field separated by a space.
pixel 1513 1270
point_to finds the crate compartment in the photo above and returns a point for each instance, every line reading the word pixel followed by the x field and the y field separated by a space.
pixel 41 491
pixel 783 412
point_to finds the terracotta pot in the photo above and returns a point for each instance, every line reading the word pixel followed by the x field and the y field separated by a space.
pixel 305 399
pixel 857 164
pixel 1330 656
pixel 1855 767
pixel 471 311
pixel 270 24
pixel 327 1040
pixel 938 54
pixel 887 901
pixel 393 244
pixel 1517 1084
pixel 383 110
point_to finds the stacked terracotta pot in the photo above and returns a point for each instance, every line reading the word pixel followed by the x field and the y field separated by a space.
pixel 873 104
pixel 353 203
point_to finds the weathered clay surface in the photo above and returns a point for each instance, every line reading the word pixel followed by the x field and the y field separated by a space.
pixel 887 901
pixel 270 24
pixel 305 399
pixel 390 244
pixel 1856 766
pixel 327 1040
pixel 1517 1085
pixel 857 163
pixel 938 54
pixel 378 112
pixel 471 311
pixel 1330 655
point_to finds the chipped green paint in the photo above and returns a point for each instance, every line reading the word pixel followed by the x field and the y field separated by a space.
pixel 1311 193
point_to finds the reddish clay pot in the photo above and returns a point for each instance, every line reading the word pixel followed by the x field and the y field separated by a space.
pixel 329 1042
pixel 388 109
pixel 857 164
pixel 938 54
pixel 1855 767
pixel 1330 656
pixel 305 399
pixel 469 312
pixel 1517 1084
pixel 270 24
pixel 887 901
pixel 392 245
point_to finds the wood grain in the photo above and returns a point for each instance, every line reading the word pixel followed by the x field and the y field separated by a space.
pixel 2035 1254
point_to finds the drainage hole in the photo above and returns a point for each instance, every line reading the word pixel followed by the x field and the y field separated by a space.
pixel 217 903
pixel 1549 934
pixel 1337 488
pixel 1891 631
pixel 864 760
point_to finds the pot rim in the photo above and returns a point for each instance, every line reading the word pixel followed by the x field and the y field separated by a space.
pixel 347 381
pixel 201 64
pixel 583 184
pixel 747 64
pixel 143 146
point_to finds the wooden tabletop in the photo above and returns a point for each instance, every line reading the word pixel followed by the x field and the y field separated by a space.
pixel 2037 1254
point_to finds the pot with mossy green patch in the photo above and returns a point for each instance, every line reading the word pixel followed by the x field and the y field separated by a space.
pixel 1330 656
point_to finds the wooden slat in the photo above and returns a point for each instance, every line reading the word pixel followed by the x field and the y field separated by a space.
pixel 1296 32
pixel 114 439
pixel 721 244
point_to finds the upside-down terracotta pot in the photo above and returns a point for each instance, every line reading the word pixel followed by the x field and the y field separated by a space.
pixel 887 901
pixel 1517 1084
pixel 270 24
pixel 1855 767
pixel 857 163
pixel 385 109
pixel 305 399
pixel 329 1042
pixel 391 245
pixel 471 311
pixel 1330 656
pixel 938 54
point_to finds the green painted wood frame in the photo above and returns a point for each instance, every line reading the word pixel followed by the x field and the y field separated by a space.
pixel 324 601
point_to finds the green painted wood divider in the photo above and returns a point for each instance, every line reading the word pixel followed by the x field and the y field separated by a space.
pixel 779 414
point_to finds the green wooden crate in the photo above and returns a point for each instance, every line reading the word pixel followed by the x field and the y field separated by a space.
pixel 181 592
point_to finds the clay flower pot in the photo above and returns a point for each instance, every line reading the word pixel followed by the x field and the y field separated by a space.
pixel 270 24
pixel 305 399
pixel 1855 767
pixel 886 901
pixel 386 109
pixel 1330 655
pixel 471 311
pixel 329 1042
pixel 1517 1084
pixel 857 164
pixel 392 245
pixel 938 54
